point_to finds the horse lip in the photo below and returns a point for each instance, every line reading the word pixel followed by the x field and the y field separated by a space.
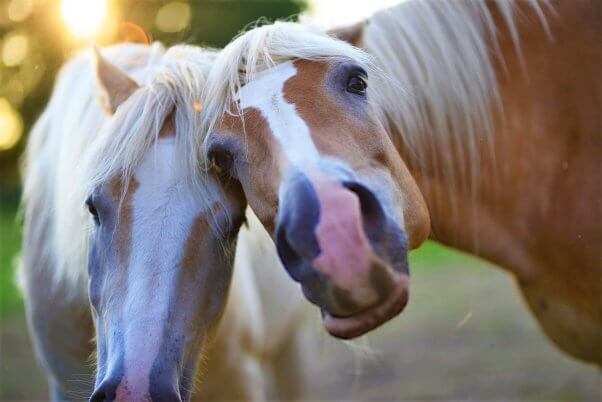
pixel 358 324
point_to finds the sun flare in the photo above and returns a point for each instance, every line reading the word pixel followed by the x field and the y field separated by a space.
pixel 84 19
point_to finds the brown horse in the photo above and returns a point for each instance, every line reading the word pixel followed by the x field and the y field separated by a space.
pixel 493 106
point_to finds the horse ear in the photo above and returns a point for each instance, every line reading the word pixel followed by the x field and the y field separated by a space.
pixel 115 85
pixel 351 34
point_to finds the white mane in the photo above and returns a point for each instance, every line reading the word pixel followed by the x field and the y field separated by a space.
pixel 74 146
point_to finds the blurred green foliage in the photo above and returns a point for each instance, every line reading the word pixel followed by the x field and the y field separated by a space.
pixel 431 256
pixel 10 244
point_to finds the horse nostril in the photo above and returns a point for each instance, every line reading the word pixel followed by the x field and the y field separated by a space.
pixel 98 397
pixel 373 214
pixel 287 253
pixel 298 216
pixel 298 267
pixel 105 392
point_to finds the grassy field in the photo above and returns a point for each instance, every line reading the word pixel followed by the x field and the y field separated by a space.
pixel 466 335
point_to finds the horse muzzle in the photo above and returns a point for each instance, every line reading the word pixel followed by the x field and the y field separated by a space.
pixel 135 366
pixel 335 238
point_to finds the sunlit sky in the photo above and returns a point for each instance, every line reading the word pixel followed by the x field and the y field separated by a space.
pixel 345 12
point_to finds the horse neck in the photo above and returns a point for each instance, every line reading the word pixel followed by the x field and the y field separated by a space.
pixel 478 206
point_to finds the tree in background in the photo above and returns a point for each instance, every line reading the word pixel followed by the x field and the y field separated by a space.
pixel 37 36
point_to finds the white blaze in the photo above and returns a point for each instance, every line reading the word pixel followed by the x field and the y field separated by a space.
pixel 164 210
pixel 266 94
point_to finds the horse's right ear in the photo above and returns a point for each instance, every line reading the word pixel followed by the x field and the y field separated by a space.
pixel 115 85
pixel 351 34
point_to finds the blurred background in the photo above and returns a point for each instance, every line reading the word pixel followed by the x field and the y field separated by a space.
pixel 467 333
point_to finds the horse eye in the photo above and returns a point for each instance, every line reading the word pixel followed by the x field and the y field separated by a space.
pixel 93 211
pixel 221 160
pixel 357 85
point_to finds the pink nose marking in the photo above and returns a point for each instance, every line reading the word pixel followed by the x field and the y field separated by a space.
pixel 346 254
pixel 141 350
pixel 133 391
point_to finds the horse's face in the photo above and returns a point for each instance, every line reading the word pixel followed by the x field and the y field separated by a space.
pixel 158 275
pixel 321 173
pixel 158 279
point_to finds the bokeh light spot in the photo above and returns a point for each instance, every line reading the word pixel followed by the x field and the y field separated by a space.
pixel 19 10
pixel 14 49
pixel 173 17
pixel 11 125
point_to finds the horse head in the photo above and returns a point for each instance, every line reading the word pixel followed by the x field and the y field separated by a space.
pixel 161 241
pixel 300 134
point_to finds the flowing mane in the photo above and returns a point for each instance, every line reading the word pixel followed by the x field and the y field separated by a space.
pixel 443 51
pixel 74 146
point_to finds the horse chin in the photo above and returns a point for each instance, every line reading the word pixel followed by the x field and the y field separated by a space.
pixel 355 325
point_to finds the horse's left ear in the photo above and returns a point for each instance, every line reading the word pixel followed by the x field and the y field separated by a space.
pixel 351 34
pixel 115 85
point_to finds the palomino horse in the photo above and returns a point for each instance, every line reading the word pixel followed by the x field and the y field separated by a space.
pixel 153 253
pixel 487 112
